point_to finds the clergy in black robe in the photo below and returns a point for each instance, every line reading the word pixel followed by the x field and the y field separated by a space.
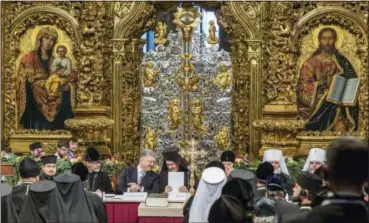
pixel 140 178
pixel 82 171
pixel 8 212
pixel 276 189
pixel 347 171
pixel 97 204
pixel 43 204
pixel 227 209
pixel 263 171
pixel 96 178
pixel 243 191
pixel 48 167
pixel 36 150
pixel 309 186
pixel 228 158
pixel 75 202
pixel 29 172
pixel 173 162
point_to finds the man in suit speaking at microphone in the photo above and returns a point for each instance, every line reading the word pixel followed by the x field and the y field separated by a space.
pixel 140 178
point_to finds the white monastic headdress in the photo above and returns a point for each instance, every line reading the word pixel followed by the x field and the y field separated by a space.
pixel 315 154
pixel 276 155
pixel 208 191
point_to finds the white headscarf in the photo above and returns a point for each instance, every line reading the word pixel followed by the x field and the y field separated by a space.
pixel 206 194
pixel 315 154
pixel 276 155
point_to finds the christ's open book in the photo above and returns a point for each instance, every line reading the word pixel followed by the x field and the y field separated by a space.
pixel 343 91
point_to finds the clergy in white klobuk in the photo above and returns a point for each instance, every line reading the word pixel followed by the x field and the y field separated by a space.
pixel 275 157
pixel 315 160
pixel 208 191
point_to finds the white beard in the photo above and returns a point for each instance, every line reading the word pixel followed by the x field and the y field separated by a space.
pixel 277 171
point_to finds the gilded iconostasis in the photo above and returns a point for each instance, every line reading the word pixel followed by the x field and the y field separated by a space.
pixel 205 77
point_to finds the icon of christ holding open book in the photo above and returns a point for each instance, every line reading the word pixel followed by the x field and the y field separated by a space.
pixel 328 88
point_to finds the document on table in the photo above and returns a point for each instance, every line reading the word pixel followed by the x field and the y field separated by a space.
pixel 176 180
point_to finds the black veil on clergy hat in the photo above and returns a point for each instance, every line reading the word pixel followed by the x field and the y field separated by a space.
pixel 34 146
pixel 264 170
pixel 28 168
pixel 228 156
pixel 172 154
pixel 49 159
pixel 80 170
pixel 92 155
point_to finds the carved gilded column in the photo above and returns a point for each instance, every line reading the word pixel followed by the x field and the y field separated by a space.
pixel 130 100
pixel 118 54
pixel 131 20
pixel 91 122
pixel 256 79
pixel 240 97
pixel 241 21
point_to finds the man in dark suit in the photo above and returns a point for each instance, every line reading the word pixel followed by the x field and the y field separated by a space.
pixel 29 171
pixel 140 178
pixel 347 171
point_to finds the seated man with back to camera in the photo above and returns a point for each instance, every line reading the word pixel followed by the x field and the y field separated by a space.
pixel 140 178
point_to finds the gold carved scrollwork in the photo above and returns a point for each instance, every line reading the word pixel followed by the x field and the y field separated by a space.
pixel 121 9
pixel 279 76
pixel 279 134
pixel 94 78
pixel 91 131
pixel 234 17
pixel 240 97
pixel 127 49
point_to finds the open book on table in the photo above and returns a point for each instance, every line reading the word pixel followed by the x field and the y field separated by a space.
pixel 343 91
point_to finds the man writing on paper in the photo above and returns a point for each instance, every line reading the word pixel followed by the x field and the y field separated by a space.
pixel 173 162
pixel 140 178
pixel 314 85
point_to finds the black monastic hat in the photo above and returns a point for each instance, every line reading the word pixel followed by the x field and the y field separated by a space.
pixel 92 155
pixel 264 170
pixel 28 168
pixel 228 156
pixel 34 146
pixel 309 181
pixel 81 170
pixel 171 154
pixel 49 159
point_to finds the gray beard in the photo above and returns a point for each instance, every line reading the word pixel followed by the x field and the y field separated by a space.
pixel 173 170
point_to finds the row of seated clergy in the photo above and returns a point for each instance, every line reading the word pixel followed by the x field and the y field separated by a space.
pixel 30 174
pixel 143 179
